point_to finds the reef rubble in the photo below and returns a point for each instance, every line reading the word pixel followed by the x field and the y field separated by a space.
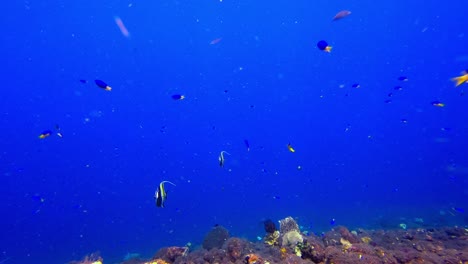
pixel 339 245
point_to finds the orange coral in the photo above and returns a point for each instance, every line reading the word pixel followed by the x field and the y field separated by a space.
pixel 253 259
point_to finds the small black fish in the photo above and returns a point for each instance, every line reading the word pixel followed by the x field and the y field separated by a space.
pixel 403 78
pixel 83 81
pixel 323 45
pixel 246 142
pixel 356 85
pixel 160 195
pixel 178 97
pixel 103 85
pixel 397 88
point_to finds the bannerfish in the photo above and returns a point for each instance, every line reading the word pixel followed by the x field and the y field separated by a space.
pixel 160 195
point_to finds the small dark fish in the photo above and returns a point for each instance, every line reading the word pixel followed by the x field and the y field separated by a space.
pixel 276 197
pixel 356 85
pixel 387 101
pixel 390 94
pixel 45 134
pixel 161 195
pixel 178 97
pixel 341 14
pixel 83 81
pixel 458 209
pixel 38 198
pixel 397 88
pixel 246 142
pixel 323 45
pixel 403 78
pixel 404 121
pixel 332 221
pixel 103 85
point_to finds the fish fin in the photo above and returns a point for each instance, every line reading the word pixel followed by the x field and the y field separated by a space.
pixel 168 182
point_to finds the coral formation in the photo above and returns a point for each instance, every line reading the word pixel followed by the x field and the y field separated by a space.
pixel 93 258
pixel 215 238
pixel 291 235
pixel 235 248
pixel 272 239
pixel 288 224
pixel 291 239
pixel 170 254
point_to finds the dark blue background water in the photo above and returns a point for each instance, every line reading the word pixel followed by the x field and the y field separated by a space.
pixel 265 81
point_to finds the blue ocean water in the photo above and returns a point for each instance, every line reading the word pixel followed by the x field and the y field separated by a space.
pixel 262 80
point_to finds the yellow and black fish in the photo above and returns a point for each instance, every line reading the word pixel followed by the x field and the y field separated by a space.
pixel 221 158
pixel 160 195
pixel 459 80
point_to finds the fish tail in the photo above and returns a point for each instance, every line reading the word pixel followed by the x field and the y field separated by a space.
pixel 168 182
pixel 225 152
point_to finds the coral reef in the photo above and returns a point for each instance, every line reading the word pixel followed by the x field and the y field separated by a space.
pixel 215 238
pixel 339 245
